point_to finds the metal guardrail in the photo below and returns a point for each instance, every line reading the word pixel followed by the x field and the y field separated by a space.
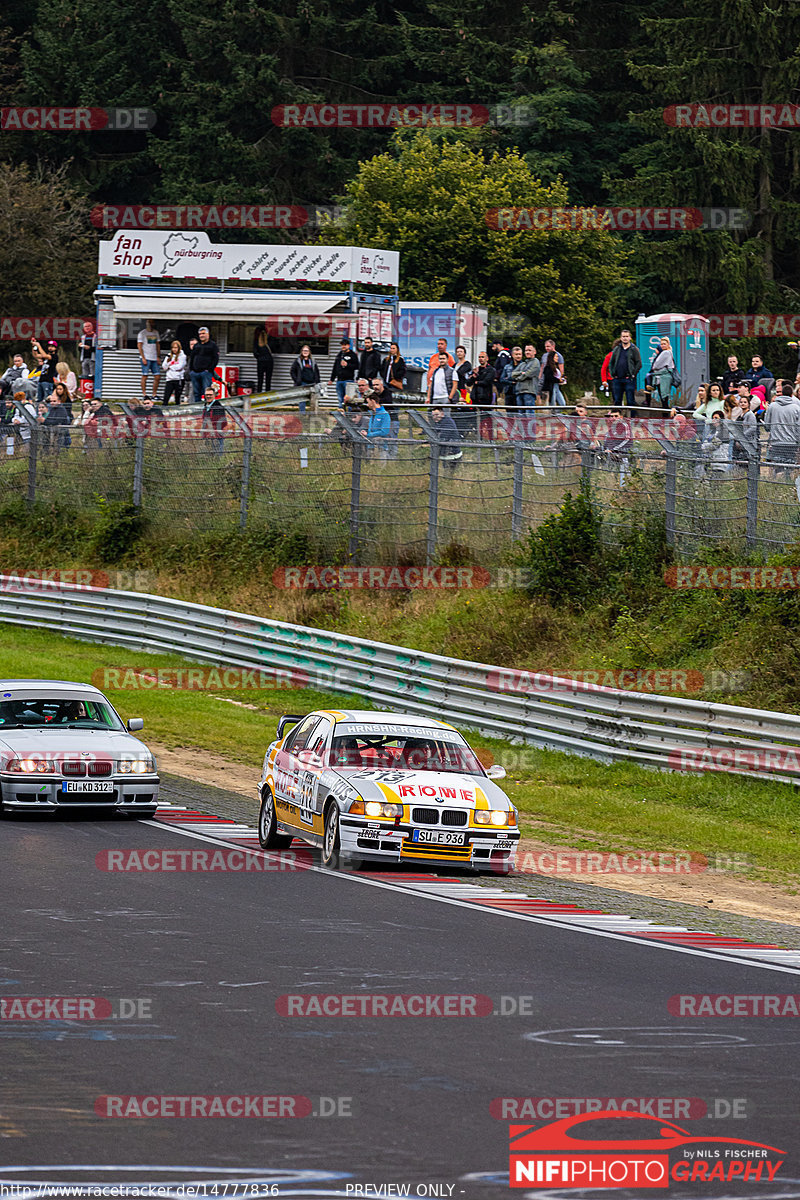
pixel 603 723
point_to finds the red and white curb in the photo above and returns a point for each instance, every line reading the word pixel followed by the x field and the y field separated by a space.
pixel 505 902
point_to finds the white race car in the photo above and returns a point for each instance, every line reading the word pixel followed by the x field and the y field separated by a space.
pixel 64 744
pixel 384 787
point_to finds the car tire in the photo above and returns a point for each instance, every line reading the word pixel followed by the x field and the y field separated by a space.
pixel 268 836
pixel 331 840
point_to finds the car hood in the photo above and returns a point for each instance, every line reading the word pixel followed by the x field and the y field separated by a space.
pixel 69 742
pixel 423 787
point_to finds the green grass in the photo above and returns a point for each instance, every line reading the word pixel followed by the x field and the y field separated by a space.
pixel 563 799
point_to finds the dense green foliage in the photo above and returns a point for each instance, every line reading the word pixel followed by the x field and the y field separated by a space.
pixel 598 76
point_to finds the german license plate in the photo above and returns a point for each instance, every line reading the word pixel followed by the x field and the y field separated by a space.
pixel 439 837
pixel 90 787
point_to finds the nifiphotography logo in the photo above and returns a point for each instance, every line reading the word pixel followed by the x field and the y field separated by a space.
pixel 614 1149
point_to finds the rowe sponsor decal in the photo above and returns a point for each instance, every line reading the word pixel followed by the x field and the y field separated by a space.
pixel 614 1149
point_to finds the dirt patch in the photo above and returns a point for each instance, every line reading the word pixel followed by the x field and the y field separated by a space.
pixel 716 891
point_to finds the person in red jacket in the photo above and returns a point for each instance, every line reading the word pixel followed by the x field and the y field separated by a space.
pixel 605 372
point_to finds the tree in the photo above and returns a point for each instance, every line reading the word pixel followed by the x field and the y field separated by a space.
pixel 567 282
pixel 48 253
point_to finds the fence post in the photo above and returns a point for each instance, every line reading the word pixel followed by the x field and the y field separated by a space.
pixel 355 500
pixel 516 501
pixel 433 503
pixel 247 452
pixel 33 453
pixel 753 476
pixel 670 497
pixel 138 471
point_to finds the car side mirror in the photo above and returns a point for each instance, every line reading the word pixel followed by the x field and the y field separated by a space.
pixel 134 724
pixel 496 771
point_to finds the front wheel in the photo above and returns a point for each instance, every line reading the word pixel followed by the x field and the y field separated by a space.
pixel 268 836
pixel 331 843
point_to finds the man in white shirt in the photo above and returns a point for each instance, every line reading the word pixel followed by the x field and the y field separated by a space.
pixel 440 383
pixel 148 346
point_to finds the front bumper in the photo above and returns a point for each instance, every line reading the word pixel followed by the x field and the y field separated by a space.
pixel 361 838
pixel 26 793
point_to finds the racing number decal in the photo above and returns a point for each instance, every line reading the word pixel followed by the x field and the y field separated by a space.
pixel 305 797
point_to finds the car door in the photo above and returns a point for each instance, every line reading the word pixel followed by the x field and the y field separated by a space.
pixel 288 770
pixel 312 760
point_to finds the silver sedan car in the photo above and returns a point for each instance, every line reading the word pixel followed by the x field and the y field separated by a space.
pixel 64 745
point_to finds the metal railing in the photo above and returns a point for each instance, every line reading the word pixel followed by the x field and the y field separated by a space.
pixel 606 724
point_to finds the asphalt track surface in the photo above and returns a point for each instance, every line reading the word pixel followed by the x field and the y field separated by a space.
pixel 213 952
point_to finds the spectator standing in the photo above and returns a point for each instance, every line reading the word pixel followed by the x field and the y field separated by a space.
pixel 215 419
pixel 447 435
pixel 60 395
pixel 378 428
pixel 304 372
pixel 18 418
pixel 57 421
pixel 733 376
pixel 617 443
pixel 203 359
pixel 440 381
pixel 393 369
pixel 384 397
pixel 551 377
pixel 461 369
pixel 344 371
pixel 264 359
pixel 100 422
pixel 624 366
pixel 433 361
pixel 502 358
pixel 87 349
pixel 605 374
pixel 661 369
pixel 149 347
pixel 782 422
pixel 47 363
pixel 67 377
pixel 758 374
pixel 174 367
pixel 553 368
pixel 482 380
pixel 506 381
pixel 525 377
pixel 369 364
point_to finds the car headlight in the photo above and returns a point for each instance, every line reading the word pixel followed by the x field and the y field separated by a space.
pixel 32 766
pixel 493 816
pixel 136 766
pixel 376 808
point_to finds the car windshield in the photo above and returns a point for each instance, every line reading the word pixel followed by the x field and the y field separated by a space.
pixel 35 712
pixel 403 752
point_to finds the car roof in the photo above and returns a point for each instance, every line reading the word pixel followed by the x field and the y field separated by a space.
pixel 367 716
pixel 47 685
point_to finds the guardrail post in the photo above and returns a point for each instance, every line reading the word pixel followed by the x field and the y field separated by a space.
pixel 138 471
pixel 516 501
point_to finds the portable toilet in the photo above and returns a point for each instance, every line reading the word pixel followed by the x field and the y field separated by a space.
pixel 688 336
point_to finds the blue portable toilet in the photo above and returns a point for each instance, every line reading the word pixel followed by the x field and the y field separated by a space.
pixel 688 336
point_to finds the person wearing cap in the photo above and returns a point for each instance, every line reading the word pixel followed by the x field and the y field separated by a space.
pixel 203 358
pixel 47 361
pixel 344 371
pixel 148 345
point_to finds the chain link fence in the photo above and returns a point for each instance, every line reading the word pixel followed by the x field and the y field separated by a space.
pixel 407 499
